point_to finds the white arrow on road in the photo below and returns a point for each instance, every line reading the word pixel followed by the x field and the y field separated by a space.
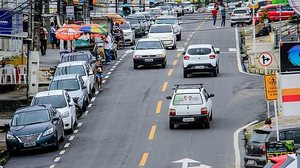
pixel 185 163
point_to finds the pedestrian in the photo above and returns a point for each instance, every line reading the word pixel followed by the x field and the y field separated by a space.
pixel 118 34
pixel 214 15
pixel 268 123
pixel 53 40
pixel 223 14
pixel 99 74
pixel 107 47
pixel 43 39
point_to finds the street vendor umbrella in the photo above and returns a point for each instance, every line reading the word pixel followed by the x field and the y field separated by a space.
pixel 94 28
pixel 67 34
pixel 115 17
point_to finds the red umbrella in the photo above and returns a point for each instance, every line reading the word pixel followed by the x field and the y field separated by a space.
pixel 66 33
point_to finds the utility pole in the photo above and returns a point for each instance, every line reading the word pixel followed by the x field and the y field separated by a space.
pixel 37 19
pixel 117 5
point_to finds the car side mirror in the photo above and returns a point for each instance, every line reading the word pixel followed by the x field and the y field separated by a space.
pixel 132 48
pixel 180 23
pixel 132 28
pixel 84 87
pixel 6 127
pixel 217 52
pixel 71 103
pixel 211 95
pixel 169 97
pixel 183 53
pixel 55 119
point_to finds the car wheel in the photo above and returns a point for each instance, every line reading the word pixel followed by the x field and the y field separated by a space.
pixel 62 138
pixel 84 107
pixel 164 65
pixel 174 47
pixel 135 66
pixel 171 125
pixel 178 37
pixel 215 73
pixel 185 74
pixel 207 124
pixel 210 117
pixel 56 146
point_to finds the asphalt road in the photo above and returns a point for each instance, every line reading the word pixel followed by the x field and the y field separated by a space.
pixel 127 128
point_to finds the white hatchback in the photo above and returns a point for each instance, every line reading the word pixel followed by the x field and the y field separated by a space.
pixel 165 33
pixel 61 100
pixel 190 104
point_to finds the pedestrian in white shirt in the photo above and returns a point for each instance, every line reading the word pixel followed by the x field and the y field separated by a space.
pixel 107 47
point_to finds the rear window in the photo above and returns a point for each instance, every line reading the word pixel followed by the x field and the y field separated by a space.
pixel 67 84
pixel 76 69
pixel 259 136
pixel 161 29
pixel 240 12
pixel 187 99
pixel 70 58
pixel 199 51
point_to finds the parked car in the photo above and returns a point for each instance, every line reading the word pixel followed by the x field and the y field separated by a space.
pixel 62 102
pixel 200 58
pixel 78 67
pixel 136 25
pixel 177 8
pixel 172 21
pixel 190 104
pixel 240 15
pixel 129 34
pixel 256 149
pixel 74 85
pixel 188 8
pixel 210 7
pixel 35 127
pixel 149 52
pixel 165 33
pixel 273 12
pixel 79 56
pixel 142 19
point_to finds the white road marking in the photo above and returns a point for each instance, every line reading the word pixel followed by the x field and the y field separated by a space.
pixel 71 138
pixel 56 159
pixel 185 43
pixel 108 73
pixel 52 166
pixel 188 39
pixel 93 99
pixel 107 76
pixel 117 63
pixel 79 124
pixel 232 49
pixel 75 131
pixel 112 69
pixel 236 144
pixel 67 145
pixel 114 66
pixel 90 105
pixel 121 59
pixel 62 152
pixel 180 49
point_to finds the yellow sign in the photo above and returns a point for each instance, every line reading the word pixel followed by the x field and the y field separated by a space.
pixel 271 87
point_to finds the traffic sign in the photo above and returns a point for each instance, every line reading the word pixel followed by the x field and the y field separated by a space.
pixel 265 59
pixel 271 87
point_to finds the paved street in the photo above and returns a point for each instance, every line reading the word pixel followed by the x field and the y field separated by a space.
pixel 126 128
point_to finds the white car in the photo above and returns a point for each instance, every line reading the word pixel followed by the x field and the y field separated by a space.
pixel 78 67
pixel 200 58
pixel 210 7
pixel 189 8
pixel 174 22
pixel 165 33
pixel 190 104
pixel 63 103
pixel 149 52
pixel 129 33
pixel 241 15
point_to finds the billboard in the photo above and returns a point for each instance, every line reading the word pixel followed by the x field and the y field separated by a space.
pixel 6 23
pixel 289 56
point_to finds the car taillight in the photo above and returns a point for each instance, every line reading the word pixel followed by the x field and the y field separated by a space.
pixel 204 110
pixel 172 112
pixel 186 57
pixel 264 149
pixel 213 56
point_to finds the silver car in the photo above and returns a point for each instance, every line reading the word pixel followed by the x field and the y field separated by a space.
pixel 241 15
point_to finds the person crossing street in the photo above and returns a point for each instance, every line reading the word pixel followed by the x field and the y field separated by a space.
pixel 214 15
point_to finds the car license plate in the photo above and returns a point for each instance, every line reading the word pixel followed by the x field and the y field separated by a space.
pixel 188 119
pixel 29 144
pixel 149 60
pixel 250 162
pixel 199 67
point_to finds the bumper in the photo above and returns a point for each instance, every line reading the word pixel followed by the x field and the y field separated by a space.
pixel 254 161
pixel 43 142
pixel 200 68
pixel 242 20
pixel 149 61
pixel 182 119
pixel 128 39
pixel 168 43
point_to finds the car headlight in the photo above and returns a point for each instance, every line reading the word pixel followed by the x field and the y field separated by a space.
pixel 48 132
pixel 65 114
pixel 127 34
pixel 170 37
pixel 10 137
pixel 160 55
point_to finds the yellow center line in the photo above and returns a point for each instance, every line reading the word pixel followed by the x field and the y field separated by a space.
pixel 165 85
pixel 144 159
pixel 152 132
pixel 158 107
pixel 170 72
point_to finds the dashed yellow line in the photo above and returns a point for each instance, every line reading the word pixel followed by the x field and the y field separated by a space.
pixel 170 72
pixel 158 107
pixel 152 132
pixel 164 87
pixel 144 159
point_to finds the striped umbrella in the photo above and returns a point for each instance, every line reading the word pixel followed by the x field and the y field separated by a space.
pixel 94 28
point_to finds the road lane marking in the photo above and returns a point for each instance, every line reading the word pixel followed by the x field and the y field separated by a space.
pixel 152 132
pixel 121 59
pixel 170 72
pixel 62 152
pixel 236 144
pixel 232 49
pixel 75 131
pixel 112 69
pixel 56 159
pixel 79 124
pixel 128 51
pixel 188 39
pixel 180 49
pixel 158 107
pixel 165 85
pixel 71 138
pixel 144 159
pixel 108 73
pixel 174 62
pixel 185 43
pixel 67 145
pixel 107 76
pixel 114 66
pixel 52 166
pixel 90 105
pixel 93 99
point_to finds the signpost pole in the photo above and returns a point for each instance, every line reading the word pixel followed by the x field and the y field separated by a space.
pixel 268 103
pixel 276 120
pixel 254 20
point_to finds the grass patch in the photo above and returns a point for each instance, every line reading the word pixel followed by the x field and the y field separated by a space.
pixel 249 131
pixel 4 156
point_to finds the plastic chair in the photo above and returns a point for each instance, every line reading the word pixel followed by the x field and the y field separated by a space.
pixel 10 71
pixel 22 73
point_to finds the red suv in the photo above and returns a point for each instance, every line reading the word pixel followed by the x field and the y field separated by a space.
pixel 273 12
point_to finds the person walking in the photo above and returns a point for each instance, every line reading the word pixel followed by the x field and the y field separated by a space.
pixel 53 41
pixel 107 47
pixel 43 39
pixel 223 14
pixel 214 15
pixel 99 74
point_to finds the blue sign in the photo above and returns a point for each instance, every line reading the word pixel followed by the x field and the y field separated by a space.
pixel 6 21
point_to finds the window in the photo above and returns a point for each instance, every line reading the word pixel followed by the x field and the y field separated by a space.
pixel 76 69
pixel 293 135
pixel 187 99
pixel 199 51
pixel 30 117
pixel 166 21
pixel 240 12
pixel 272 9
pixel 57 101
pixel 161 29
pixel 144 45
pixel 206 95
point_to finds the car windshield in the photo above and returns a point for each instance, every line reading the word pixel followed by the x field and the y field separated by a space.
pixel 211 5
pixel 259 136
pixel 240 12
pixel 132 20
pixel 57 101
pixel 143 45
pixel 164 8
pixel 75 69
pixel 30 117
pixel 166 21
pixel 125 26
pixel 67 84
pixel 199 51
pixel 187 99
pixel 77 57
pixel 161 29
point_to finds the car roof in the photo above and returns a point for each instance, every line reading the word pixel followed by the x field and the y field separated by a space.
pixel 67 76
pixel 33 108
pixel 64 64
pixel 49 93
pixel 149 39
pixel 241 8
pixel 200 46
pixel 281 127
pixel 187 90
